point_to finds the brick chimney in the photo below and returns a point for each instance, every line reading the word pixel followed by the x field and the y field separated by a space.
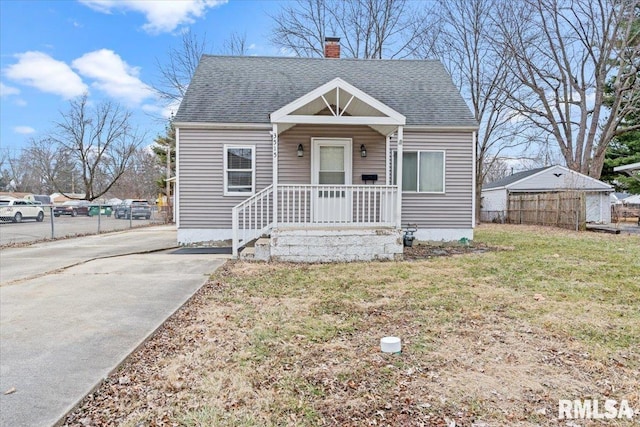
pixel 332 47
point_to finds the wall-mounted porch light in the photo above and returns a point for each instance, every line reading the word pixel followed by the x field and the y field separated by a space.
pixel 300 150
pixel 363 151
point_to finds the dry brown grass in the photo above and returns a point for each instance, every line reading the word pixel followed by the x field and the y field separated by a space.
pixel 495 337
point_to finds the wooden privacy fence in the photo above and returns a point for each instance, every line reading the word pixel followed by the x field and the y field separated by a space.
pixel 563 209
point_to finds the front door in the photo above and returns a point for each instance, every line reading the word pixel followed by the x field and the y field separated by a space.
pixel 331 166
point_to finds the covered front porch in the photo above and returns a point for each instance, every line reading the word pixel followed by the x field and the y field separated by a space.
pixel 332 196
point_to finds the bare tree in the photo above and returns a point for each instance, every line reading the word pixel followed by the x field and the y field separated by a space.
pixel 181 63
pixel 140 178
pixel 18 174
pixel 496 169
pixel 99 142
pixel 463 43
pixel 236 44
pixel 52 165
pixel 368 28
pixel 564 52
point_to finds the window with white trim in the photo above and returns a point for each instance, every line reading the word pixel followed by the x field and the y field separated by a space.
pixel 239 170
pixel 422 171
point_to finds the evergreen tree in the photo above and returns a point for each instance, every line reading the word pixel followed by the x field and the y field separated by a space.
pixel 160 150
pixel 624 150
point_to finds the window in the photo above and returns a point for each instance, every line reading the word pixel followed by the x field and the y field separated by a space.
pixel 239 170
pixel 422 171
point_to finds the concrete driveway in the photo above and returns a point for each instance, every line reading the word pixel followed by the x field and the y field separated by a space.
pixel 72 310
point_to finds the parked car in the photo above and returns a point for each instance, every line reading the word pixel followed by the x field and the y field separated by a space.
pixel 104 210
pixel 72 207
pixel 131 208
pixel 16 210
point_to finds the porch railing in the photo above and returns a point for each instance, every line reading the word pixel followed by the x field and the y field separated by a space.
pixel 304 205
pixel 252 218
pixel 336 205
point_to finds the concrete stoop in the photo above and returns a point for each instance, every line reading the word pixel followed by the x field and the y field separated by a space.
pixel 336 245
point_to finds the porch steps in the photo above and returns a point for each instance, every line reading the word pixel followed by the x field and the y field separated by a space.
pixel 247 253
pixel 260 251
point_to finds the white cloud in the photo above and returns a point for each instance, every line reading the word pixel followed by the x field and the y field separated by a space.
pixel 24 130
pixel 162 15
pixel 20 102
pixel 113 76
pixel 8 90
pixel 165 111
pixel 41 71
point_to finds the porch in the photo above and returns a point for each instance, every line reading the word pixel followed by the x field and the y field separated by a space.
pixel 316 222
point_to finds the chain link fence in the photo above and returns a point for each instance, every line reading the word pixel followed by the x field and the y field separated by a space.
pixel 99 219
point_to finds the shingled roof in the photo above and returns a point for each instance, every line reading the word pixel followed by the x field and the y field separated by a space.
pixel 228 89
pixel 513 178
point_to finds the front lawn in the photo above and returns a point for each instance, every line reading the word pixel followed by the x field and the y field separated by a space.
pixel 492 338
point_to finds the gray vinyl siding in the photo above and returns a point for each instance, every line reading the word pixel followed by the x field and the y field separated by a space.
pixel 202 203
pixel 201 200
pixel 453 209
pixel 297 170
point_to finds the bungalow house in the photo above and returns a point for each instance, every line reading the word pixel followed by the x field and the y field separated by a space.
pixel 303 151
pixel 495 195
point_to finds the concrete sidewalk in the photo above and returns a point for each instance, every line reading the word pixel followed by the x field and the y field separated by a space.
pixel 63 329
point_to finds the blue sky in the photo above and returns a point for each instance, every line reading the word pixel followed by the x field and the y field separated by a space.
pixel 52 51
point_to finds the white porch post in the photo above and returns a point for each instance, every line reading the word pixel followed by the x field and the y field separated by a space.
pixel 399 161
pixel 274 140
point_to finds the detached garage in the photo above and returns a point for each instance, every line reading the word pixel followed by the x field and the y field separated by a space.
pixel 549 179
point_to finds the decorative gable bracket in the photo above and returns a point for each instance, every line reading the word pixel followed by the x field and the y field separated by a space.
pixel 338 103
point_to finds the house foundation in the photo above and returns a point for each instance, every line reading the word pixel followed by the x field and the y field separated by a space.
pixel 335 245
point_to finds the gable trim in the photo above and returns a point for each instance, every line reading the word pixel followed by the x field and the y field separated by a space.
pixel 283 115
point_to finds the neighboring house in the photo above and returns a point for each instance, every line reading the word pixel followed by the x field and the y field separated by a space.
pixel 548 179
pixel 13 195
pixel 304 150
pixel 632 201
pixel 630 168
pixel 59 198
pixel 618 198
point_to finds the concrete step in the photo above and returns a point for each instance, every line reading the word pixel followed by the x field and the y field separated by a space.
pixel 247 254
pixel 263 249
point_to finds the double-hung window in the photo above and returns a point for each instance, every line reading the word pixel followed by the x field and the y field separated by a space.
pixel 239 170
pixel 422 171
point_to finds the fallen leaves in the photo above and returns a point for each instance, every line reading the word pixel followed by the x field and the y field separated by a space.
pixel 539 297
pixel 278 344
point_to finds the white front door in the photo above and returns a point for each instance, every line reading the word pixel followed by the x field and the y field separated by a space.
pixel 331 166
